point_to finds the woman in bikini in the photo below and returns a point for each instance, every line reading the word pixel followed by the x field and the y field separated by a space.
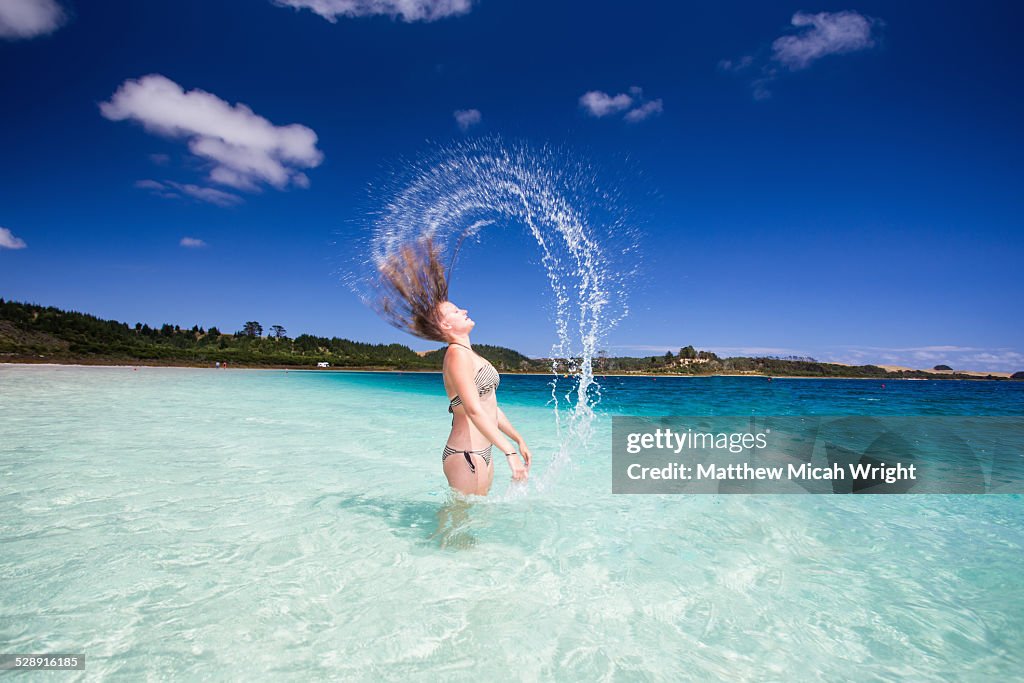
pixel 415 298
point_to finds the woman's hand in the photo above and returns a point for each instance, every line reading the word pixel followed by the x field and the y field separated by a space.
pixel 527 456
pixel 519 473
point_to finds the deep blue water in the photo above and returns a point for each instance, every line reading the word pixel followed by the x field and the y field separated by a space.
pixel 620 395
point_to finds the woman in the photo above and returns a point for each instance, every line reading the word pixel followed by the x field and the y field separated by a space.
pixel 415 298
pixel 477 421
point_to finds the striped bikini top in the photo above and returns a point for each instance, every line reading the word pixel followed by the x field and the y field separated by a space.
pixel 486 381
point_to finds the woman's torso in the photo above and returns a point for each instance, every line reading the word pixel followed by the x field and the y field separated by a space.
pixel 464 433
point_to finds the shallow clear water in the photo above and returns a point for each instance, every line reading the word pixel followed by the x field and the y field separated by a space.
pixel 223 524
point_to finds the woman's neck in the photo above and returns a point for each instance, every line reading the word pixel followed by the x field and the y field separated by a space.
pixel 462 339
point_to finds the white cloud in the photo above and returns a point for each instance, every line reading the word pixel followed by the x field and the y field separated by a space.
pixel 171 190
pixel 824 33
pixel 406 10
pixel 600 104
pixel 760 87
pixel 149 185
pixel 754 351
pixel 644 111
pixel 208 194
pixel 245 149
pixel 192 243
pixel 159 189
pixel 735 65
pixel 968 358
pixel 9 241
pixel 29 18
pixel 467 117
pixel 830 33
pixel 1002 359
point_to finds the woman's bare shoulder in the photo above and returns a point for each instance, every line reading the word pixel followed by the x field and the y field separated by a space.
pixel 458 359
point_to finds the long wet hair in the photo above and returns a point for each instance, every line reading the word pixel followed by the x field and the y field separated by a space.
pixel 413 283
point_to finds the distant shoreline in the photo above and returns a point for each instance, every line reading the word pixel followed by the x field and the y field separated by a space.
pixel 33 334
pixel 295 368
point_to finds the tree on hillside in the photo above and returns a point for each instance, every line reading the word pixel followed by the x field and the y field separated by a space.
pixel 279 332
pixel 687 352
pixel 252 329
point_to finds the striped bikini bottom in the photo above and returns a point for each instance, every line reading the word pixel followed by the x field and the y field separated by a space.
pixel 484 453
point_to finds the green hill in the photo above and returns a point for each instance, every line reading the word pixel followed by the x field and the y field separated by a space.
pixel 32 333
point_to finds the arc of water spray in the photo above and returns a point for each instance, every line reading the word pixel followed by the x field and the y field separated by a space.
pixel 485 178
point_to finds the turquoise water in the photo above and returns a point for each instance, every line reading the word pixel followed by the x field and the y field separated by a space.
pixel 208 525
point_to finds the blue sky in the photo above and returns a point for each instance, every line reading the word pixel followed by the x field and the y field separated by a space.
pixel 840 180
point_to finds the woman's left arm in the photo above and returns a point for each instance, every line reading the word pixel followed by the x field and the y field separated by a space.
pixel 506 427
